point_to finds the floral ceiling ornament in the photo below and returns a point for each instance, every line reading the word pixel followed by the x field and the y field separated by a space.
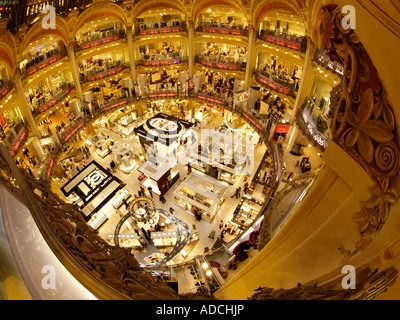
pixel 364 125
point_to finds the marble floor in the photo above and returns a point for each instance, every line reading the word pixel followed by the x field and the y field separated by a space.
pixel 203 227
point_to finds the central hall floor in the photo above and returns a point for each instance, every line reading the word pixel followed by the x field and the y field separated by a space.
pixel 203 227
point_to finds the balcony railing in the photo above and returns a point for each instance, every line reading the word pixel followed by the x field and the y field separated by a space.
pixel 161 30
pixel 42 62
pixel 5 89
pixel 161 62
pixel 70 129
pixel 99 39
pixel 276 84
pixel 288 41
pixel 222 29
pixel 103 72
pixel 309 129
pixel 18 140
pixel 216 63
pixel 321 57
pixel 44 105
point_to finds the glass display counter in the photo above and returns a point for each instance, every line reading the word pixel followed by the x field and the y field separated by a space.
pixel 119 198
pixel 168 238
pixel 200 193
pixel 102 141
pixel 98 220
pixel 244 215
pixel 124 157
pixel 127 240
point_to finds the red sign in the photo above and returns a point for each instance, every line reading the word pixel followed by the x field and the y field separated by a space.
pixel 282 128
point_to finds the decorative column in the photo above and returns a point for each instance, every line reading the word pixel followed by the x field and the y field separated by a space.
pixel 75 71
pixel 251 57
pixel 25 108
pixel 191 48
pixel 306 78
pixel 131 53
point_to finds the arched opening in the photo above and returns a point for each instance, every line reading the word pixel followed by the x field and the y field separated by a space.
pixel 165 26
pixel 99 32
pixel 41 52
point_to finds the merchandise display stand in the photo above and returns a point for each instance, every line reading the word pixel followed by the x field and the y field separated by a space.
pixel 201 193
pixel 244 215
pixel 102 141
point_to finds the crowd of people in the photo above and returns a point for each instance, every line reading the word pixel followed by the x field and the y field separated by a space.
pixel 230 55
pixel 277 107
pixel 164 53
pixel 218 85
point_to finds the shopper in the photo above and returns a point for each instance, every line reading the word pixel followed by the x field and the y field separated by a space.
pixel 171 210
pixel 238 193
pixel 150 189
pixel 162 199
pixel 245 187
pixel 221 224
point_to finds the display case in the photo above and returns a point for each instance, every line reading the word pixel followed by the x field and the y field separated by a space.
pixel 168 238
pixel 97 220
pixel 124 157
pixel 201 193
pixel 119 198
pixel 127 240
pixel 244 215
pixel 102 141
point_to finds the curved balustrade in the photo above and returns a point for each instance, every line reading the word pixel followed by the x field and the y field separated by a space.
pixel 103 72
pixel 321 57
pixel 276 84
pixel 215 63
pixel 42 61
pixel 47 104
pixel 161 30
pixel 162 62
pixel 287 41
pixel 222 29
pixel 98 39
pixel 310 131
pixel 18 140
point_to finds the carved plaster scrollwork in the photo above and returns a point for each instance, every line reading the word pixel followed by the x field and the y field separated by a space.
pixel 364 126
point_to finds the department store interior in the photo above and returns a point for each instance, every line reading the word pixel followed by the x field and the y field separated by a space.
pixel 185 138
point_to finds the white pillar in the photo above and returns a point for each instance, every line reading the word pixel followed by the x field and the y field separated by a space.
pixel 75 72
pixel 191 48
pixel 251 55
pixel 25 109
pixel 131 53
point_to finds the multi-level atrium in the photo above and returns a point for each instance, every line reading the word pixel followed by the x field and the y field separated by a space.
pixel 199 150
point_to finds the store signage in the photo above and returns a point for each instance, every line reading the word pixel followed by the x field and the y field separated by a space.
pixel 282 128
